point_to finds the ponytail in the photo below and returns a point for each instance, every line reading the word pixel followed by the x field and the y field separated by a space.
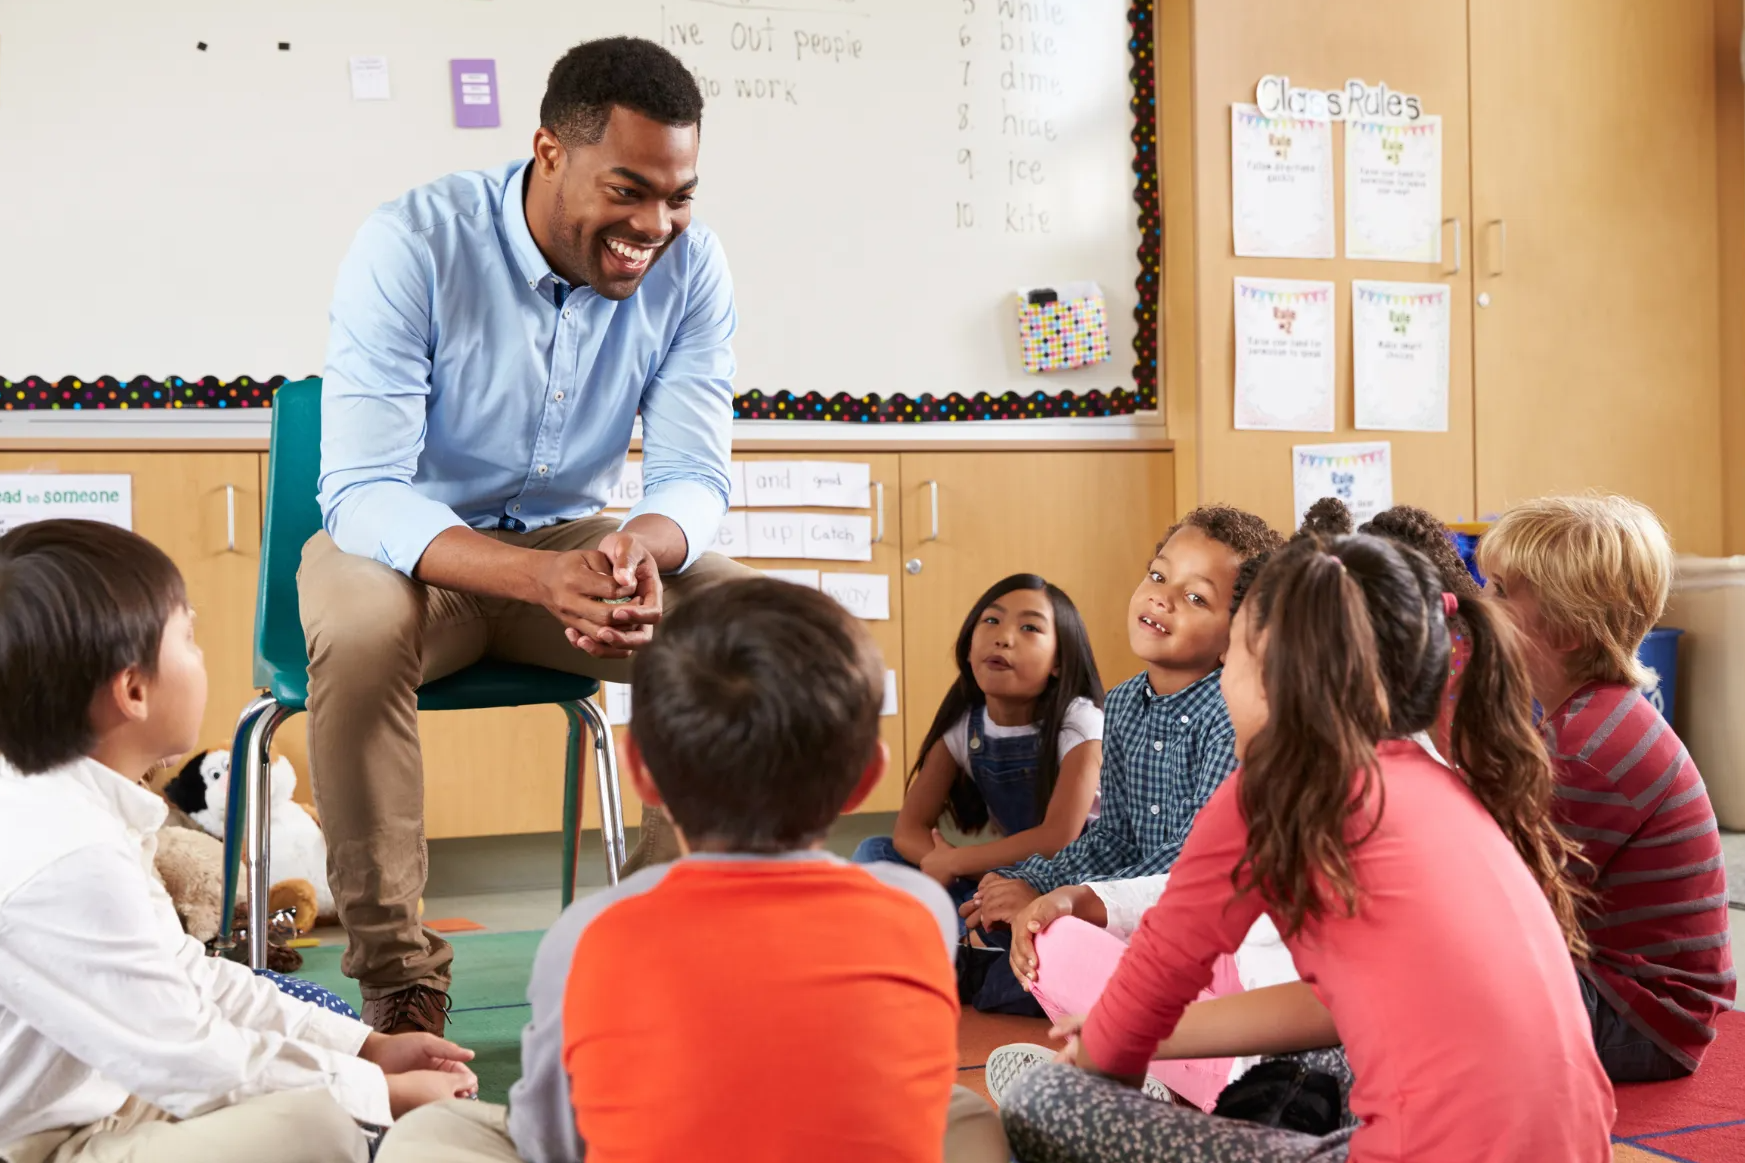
pixel 1498 751
pixel 1296 792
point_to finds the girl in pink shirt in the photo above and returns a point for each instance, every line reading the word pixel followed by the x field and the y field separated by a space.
pixel 1427 908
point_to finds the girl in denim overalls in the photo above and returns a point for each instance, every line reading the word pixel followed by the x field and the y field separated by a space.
pixel 1010 764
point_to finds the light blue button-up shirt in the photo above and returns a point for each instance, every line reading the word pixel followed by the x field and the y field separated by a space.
pixel 466 384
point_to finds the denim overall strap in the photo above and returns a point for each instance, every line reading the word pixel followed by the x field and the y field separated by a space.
pixel 1004 771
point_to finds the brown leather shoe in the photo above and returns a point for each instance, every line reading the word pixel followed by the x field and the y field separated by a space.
pixel 418 1009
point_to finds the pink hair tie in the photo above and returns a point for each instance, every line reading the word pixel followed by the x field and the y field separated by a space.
pixel 1450 603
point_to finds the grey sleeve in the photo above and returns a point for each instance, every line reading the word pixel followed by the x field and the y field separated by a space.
pixel 926 890
pixel 542 1122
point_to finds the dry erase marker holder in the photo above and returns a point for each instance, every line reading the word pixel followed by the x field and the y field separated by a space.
pixel 1060 328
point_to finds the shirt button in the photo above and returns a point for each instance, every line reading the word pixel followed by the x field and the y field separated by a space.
pixel 1155 810
pixel 542 470
pixel 1185 720
pixel 1157 745
pixel 515 509
pixel 559 396
pixel 566 312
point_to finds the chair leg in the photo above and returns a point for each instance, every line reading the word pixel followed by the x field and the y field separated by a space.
pixel 233 819
pixel 259 829
pixel 572 801
pixel 606 771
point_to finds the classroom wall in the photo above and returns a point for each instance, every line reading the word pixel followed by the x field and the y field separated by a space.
pixel 1730 193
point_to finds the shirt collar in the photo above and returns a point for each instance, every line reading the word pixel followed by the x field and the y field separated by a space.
pixel 140 809
pixel 1194 692
pixel 793 856
pixel 534 268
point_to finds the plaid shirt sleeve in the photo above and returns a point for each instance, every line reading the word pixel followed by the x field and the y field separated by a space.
pixel 1107 843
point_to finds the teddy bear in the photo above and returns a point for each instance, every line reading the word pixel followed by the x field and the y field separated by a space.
pixel 298 850
pixel 191 866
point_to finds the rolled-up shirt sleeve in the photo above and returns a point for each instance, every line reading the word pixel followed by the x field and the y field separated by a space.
pixel 374 390
pixel 687 411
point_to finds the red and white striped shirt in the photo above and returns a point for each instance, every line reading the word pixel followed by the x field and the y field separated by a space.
pixel 1629 793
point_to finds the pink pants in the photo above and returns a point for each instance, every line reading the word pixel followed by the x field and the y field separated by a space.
pixel 1075 961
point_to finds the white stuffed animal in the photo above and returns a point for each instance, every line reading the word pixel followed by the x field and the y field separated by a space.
pixel 298 849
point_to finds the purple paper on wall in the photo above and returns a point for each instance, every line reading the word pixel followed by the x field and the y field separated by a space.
pixel 475 93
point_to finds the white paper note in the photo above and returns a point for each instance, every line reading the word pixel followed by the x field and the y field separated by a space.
pixel 369 78
pixel 836 484
pixel 733 538
pixel 736 484
pixel 40 496
pixel 772 483
pixel 890 707
pixel 617 703
pixel 628 491
pixel 834 537
pixel 1281 174
pixel 1393 190
pixel 795 577
pixel 1361 475
pixel 1399 355
pixel 776 534
pixel 865 595
pixel 1284 355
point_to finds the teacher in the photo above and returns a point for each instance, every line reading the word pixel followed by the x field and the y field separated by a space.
pixel 494 336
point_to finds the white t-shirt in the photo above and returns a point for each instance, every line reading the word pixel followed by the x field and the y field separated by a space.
pixel 1083 724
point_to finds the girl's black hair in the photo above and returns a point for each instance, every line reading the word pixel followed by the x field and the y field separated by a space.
pixel 1077 679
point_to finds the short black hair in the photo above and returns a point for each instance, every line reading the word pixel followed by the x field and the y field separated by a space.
pixel 591 79
pixel 80 602
pixel 756 711
pixel 1238 530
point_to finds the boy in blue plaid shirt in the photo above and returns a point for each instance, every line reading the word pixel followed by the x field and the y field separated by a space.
pixel 1167 740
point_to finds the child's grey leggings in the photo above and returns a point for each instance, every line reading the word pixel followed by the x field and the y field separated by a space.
pixel 1059 1114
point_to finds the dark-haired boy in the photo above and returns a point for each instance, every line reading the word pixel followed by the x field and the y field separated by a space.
pixel 119 1038
pixel 1167 739
pixel 759 998
pixel 495 336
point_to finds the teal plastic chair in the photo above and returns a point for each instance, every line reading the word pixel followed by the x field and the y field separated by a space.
pixel 281 671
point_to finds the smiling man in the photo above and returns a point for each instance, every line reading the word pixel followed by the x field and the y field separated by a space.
pixel 494 336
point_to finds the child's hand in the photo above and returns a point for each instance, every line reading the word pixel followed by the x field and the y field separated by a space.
pixel 941 863
pixel 1000 900
pixel 407 1092
pixel 1068 1029
pixel 404 1053
pixel 1033 919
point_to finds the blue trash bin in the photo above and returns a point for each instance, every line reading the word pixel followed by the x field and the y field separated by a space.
pixel 1659 653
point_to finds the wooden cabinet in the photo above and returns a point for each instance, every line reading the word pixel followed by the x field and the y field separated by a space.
pixel 204 510
pixel 1416 48
pixel 1595 235
pixel 1579 159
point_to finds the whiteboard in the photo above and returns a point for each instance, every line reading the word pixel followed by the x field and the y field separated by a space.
pixel 884 174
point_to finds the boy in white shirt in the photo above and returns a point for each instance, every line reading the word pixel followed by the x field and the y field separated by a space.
pixel 120 1040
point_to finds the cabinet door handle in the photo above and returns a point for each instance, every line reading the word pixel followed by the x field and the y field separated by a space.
pixel 230 518
pixel 879 508
pixel 933 491
pixel 1456 222
pixel 1502 248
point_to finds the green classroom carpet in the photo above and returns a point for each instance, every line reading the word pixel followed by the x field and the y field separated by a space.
pixel 489 997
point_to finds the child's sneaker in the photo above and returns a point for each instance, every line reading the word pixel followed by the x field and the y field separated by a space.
pixel 1008 1063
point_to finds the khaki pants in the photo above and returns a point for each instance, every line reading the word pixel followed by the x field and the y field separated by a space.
pixel 478 1132
pixel 374 636
pixel 305 1126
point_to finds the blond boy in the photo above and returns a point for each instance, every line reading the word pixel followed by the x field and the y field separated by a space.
pixel 1585 579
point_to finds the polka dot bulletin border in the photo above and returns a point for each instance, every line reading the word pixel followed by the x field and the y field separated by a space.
pixel 103 393
pixel 70 394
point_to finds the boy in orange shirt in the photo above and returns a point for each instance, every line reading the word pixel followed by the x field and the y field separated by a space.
pixel 758 999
